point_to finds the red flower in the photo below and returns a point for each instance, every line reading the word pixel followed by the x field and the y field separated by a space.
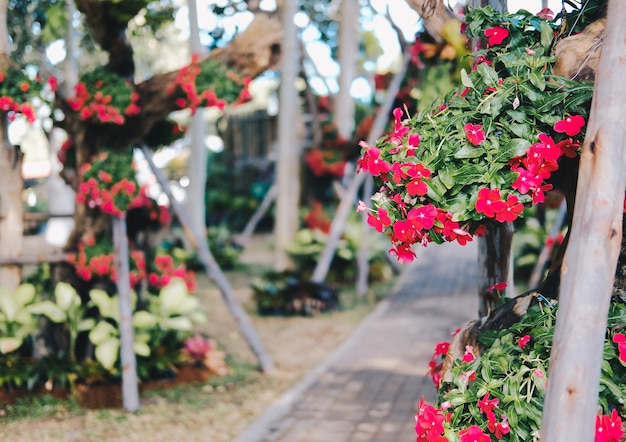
pixel 441 348
pixel 609 428
pixel 496 35
pixel 371 161
pixel 525 181
pixel 512 210
pixel 568 147
pixel 473 434
pixel 423 217
pixel 24 86
pixel 523 341
pixel 474 133
pixel 620 340
pixel 469 354
pixel 379 222
pixel 428 422
pixel 487 405
pixel 403 252
pixel 497 286
pixel 489 202
pixel 417 187
pixel 570 125
pixel 405 231
pixel 502 428
pixel 53 83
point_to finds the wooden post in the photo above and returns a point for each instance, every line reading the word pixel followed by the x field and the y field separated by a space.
pixel 130 387
pixel 590 260
pixel 494 255
pixel 213 270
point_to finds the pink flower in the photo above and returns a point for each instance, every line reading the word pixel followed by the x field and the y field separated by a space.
pixel 423 217
pixel 429 422
pixel 361 207
pixel 570 125
pixel 474 133
pixel 473 434
pixel 620 340
pixel 523 341
pixel 405 231
pixel 496 35
pixel 546 14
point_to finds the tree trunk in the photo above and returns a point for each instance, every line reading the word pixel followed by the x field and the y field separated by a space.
pixel 287 170
pixel 348 57
pixel 590 261
pixel 197 163
pixel 494 256
pixel 11 181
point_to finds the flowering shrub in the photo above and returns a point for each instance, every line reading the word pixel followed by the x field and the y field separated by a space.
pixel 16 91
pixel 104 97
pixel 499 393
pixel 108 182
pixel 208 84
pixel 166 266
pixel 488 149
pixel 95 260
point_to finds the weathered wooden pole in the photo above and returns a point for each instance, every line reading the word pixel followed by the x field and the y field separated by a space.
pixel 213 270
pixel 130 387
pixel 590 260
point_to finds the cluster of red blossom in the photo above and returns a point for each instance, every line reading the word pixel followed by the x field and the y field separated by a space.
pixel 430 421
pixel 323 162
pixel 166 270
pixel 115 199
pixel 99 105
pixel 186 81
pixel 414 224
pixel 89 266
pixel 317 219
pixel 12 107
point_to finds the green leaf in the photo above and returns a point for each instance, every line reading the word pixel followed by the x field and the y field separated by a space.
pixel 8 305
pixel 65 296
pixel 489 75
pixel 107 352
pixel 171 295
pixel 531 93
pixel 517 147
pixel 24 294
pixel 9 344
pixel 521 130
pixel 466 80
pixel 141 349
pixel 144 319
pixel 50 310
pixel 537 80
pixel 468 151
pixel 102 332
pixel 181 323
pixel 107 305
pixel 547 34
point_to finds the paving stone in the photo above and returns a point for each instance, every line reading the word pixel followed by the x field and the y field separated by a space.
pixel 369 392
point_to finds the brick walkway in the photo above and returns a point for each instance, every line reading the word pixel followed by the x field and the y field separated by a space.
pixel 367 389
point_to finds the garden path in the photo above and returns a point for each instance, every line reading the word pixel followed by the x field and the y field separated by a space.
pixel 367 390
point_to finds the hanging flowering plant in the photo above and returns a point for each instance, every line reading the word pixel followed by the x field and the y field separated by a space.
pixel 499 393
pixel 206 84
pixel 109 182
pixel 488 149
pixel 17 89
pixel 104 97
pixel 94 260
